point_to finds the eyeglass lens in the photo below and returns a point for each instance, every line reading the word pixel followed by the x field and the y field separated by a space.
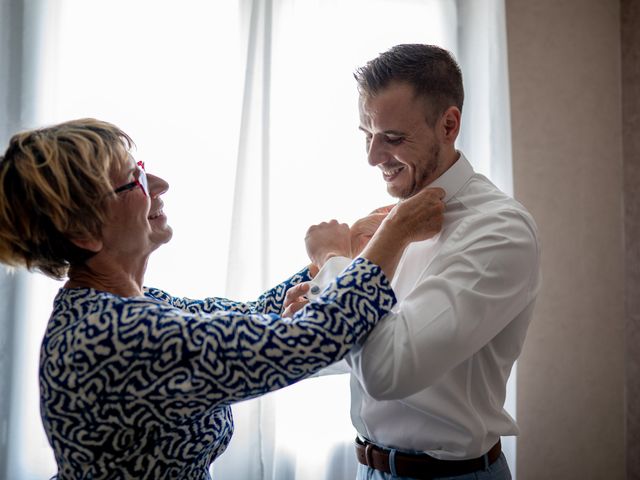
pixel 142 179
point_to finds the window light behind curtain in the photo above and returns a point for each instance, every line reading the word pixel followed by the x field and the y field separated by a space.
pixel 249 109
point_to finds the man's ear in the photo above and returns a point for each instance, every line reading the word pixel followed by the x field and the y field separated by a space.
pixel 87 243
pixel 450 124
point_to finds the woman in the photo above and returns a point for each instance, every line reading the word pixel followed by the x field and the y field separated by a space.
pixel 136 383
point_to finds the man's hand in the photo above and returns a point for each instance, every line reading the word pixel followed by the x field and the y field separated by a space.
pixel 326 240
pixel 363 229
pixel 294 299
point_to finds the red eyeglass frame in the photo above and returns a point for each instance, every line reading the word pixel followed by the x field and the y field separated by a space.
pixel 141 181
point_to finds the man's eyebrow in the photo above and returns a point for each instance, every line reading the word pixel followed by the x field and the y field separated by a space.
pixel 395 133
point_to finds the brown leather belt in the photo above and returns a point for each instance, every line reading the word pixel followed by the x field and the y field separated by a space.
pixel 421 466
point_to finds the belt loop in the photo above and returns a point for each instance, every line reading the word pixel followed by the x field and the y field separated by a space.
pixel 392 462
pixel 485 458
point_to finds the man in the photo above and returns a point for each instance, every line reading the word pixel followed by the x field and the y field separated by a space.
pixel 428 386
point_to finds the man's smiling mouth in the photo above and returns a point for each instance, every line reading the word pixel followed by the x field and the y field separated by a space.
pixel 390 173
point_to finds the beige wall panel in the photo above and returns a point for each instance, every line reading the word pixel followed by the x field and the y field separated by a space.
pixel 564 67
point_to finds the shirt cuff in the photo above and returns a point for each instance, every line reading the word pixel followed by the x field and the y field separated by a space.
pixel 327 274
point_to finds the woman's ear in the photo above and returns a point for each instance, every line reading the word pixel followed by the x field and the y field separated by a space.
pixel 87 243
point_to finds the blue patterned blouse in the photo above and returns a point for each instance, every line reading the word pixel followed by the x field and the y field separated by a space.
pixel 141 387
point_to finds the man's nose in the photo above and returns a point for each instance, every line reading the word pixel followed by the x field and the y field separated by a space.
pixel 376 153
pixel 157 185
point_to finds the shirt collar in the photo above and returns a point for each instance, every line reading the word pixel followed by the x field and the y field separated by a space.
pixel 455 178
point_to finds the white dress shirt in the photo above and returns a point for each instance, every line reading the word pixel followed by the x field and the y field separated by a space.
pixel 432 375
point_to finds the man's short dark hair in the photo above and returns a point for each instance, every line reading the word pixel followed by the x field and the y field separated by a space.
pixel 432 71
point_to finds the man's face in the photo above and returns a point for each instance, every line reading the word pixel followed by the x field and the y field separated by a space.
pixel 399 140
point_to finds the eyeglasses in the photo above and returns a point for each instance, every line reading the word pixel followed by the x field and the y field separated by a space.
pixel 140 181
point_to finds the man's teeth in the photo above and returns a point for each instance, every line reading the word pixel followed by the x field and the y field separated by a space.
pixel 155 215
pixel 392 172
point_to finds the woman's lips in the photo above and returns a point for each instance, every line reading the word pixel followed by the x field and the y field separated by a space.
pixel 156 214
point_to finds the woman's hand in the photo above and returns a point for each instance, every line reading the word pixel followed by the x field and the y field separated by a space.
pixel 313 270
pixel 414 219
pixel 326 240
pixel 419 217
pixel 363 229
pixel 294 299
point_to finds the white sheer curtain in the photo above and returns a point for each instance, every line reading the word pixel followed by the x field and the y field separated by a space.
pixel 169 73
pixel 248 108
pixel 313 168
pixel 486 126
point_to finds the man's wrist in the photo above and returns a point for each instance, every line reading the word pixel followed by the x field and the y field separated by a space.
pixel 330 255
pixel 329 271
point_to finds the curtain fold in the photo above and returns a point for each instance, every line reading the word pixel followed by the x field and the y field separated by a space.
pixel 482 53
pixel 10 286
pixel 20 36
pixel 248 259
pixel 486 126
pixel 10 67
pixel 250 452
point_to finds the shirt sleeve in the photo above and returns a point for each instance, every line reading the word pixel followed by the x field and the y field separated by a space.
pixel 170 357
pixel 270 301
pixel 329 271
pixel 480 281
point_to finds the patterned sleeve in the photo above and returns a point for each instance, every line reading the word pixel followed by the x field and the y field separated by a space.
pixel 270 301
pixel 198 361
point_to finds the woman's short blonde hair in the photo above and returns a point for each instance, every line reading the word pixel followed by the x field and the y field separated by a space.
pixel 55 183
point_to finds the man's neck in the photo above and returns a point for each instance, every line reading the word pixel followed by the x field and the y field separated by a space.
pixel 445 162
pixel 449 157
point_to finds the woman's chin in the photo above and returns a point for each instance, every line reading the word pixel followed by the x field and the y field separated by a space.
pixel 168 231
pixel 162 236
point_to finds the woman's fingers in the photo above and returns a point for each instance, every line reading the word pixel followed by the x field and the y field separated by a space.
pixel 386 209
pixel 313 270
pixel 294 307
pixel 295 293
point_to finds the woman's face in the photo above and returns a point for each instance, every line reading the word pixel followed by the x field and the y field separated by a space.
pixel 136 224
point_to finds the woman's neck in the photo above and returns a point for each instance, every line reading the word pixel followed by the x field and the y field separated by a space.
pixel 107 276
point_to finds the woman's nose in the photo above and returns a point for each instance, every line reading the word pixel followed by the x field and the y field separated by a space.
pixel 157 185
